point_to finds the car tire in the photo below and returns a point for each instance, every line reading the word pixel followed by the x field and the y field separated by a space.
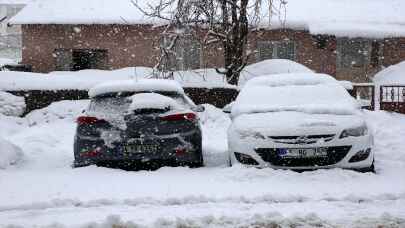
pixel 198 164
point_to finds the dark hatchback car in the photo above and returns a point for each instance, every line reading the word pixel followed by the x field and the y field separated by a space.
pixel 133 123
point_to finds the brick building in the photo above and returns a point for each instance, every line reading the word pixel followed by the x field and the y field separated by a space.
pixel 349 43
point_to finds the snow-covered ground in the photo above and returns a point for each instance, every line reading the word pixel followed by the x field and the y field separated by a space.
pixel 42 189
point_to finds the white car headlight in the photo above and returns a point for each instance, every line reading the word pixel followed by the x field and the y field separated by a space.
pixel 354 132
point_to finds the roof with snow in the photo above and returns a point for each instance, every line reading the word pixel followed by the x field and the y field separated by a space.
pixel 15 2
pixel 144 85
pixel 353 18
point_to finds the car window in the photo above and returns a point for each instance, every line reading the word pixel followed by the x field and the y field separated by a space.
pixel 118 103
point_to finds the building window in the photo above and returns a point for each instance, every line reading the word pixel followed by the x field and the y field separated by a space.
pixel 353 53
pixel 80 59
pixel 285 49
pixel 183 53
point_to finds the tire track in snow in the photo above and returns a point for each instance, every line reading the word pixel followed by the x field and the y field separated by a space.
pixel 266 199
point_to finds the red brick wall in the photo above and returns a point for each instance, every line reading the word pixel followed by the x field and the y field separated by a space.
pixel 126 45
pixel 308 54
pixel 138 46
pixel 394 51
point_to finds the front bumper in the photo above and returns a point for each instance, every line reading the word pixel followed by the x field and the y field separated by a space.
pixel 184 147
pixel 340 151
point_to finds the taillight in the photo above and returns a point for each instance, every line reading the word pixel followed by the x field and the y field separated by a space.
pixel 180 116
pixel 82 120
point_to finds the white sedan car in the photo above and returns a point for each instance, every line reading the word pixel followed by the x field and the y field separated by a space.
pixel 300 122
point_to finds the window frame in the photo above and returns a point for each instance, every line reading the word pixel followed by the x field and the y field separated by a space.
pixel 274 46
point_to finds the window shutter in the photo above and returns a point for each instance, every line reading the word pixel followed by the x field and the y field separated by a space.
pixel 265 50
pixel 285 50
pixel 353 52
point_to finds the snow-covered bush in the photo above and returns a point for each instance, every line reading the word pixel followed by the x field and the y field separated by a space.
pixel 10 154
pixel 11 105
pixel 68 110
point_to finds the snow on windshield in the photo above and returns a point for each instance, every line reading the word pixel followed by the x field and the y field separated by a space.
pixel 309 93
pixel 152 101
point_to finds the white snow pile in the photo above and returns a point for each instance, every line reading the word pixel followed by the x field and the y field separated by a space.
pixel 86 79
pixel 270 67
pixel 11 105
pixel 152 101
pixel 145 85
pixel 10 154
pixel 6 61
pixel 392 75
pixel 309 93
pixel 11 124
pixel 61 110
pixel 214 124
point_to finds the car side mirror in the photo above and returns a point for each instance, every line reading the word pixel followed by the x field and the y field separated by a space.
pixel 227 108
pixel 199 108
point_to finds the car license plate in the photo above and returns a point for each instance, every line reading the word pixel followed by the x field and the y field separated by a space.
pixel 140 148
pixel 303 153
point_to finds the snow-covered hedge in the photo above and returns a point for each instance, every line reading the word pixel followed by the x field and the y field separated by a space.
pixel 11 105
pixel 10 154
pixel 60 110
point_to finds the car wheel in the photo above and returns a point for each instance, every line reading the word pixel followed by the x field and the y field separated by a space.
pixel 197 164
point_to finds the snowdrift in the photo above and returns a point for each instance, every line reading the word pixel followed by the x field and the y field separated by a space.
pixel 11 105
pixel 10 154
pixel 62 110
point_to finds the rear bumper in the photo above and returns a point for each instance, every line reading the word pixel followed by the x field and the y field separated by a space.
pixel 183 147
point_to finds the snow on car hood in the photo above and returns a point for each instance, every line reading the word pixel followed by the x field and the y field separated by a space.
pixel 294 123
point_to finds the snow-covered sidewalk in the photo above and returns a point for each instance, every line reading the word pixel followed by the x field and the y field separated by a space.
pixel 44 191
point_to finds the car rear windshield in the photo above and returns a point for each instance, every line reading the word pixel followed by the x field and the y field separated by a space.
pixel 118 103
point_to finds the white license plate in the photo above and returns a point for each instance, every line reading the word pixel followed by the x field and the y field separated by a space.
pixel 140 148
pixel 303 153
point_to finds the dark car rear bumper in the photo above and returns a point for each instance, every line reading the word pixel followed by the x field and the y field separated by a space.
pixel 180 148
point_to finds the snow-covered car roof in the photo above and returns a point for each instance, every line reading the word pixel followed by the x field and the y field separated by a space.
pixel 144 85
pixel 309 93
pixel 353 18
